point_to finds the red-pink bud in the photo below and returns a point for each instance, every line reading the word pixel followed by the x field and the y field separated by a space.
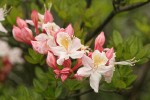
pixel 109 53
pixel 48 17
pixel 35 18
pixel 99 42
pixel 51 60
pixel 21 23
pixel 90 54
pixel 67 63
pixel 69 29
pixel 64 77
pixel 65 71
pixel 17 34
pixel 27 35
pixel 78 64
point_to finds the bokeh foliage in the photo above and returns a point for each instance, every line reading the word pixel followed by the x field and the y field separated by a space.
pixel 128 33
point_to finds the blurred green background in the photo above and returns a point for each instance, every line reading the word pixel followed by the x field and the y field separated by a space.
pixel 128 32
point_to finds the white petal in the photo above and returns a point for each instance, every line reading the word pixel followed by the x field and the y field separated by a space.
pixel 29 22
pixel 75 45
pixel 51 42
pixel 103 69
pixel 2 29
pixel 99 58
pixel 4 48
pixel 108 76
pixel 87 61
pixel 76 54
pixel 15 56
pixel 95 80
pixel 84 71
pixel 42 37
pixel 61 59
pixel 58 50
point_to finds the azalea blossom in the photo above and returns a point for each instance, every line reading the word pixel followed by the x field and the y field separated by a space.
pixel 43 42
pixel 9 57
pixel 100 63
pixel 38 19
pixel 68 46
pixel 12 54
pixel 3 13
pixel 94 68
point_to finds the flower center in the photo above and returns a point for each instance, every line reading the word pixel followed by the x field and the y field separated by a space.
pixel 65 42
pixel 98 60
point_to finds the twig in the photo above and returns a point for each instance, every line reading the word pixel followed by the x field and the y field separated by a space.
pixel 89 36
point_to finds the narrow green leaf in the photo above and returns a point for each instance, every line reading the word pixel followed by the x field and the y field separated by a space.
pixel 117 38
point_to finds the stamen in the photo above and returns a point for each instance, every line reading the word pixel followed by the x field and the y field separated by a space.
pixel 130 62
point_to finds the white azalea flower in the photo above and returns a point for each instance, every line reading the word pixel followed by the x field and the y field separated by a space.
pixel 50 28
pixel 4 48
pixel 94 68
pixel 3 13
pixel 14 56
pixel 68 47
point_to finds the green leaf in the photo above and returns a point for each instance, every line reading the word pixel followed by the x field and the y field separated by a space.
pixel 130 79
pixel 120 84
pixel 39 73
pixel 73 84
pixel 58 91
pixel 134 47
pixel 117 38
pixel 144 52
pixel 23 93
pixel 30 60
pixel 39 86
pixel 143 60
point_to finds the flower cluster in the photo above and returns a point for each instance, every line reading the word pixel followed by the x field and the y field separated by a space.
pixel 62 48
pixel 9 56
pixel 3 13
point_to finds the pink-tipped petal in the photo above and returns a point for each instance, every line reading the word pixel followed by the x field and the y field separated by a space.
pixel 40 47
pixel 17 34
pixel 51 60
pixel 48 17
pixel 78 64
pixel 69 29
pixel 99 42
pixel 35 18
pixel 64 77
pixel 109 53
pixel 27 35
pixel 21 23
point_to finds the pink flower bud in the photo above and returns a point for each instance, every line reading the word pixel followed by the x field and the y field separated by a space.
pixel 64 77
pixel 51 60
pixel 27 35
pixel 78 64
pixel 65 71
pixel 21 23
pixel 17 34
pixel 109 53
pixel 22 35
pixel 69 29
pixel 35 18
pixel 67 63
pixel 99 42
pixel 48 17
pixel 90 54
